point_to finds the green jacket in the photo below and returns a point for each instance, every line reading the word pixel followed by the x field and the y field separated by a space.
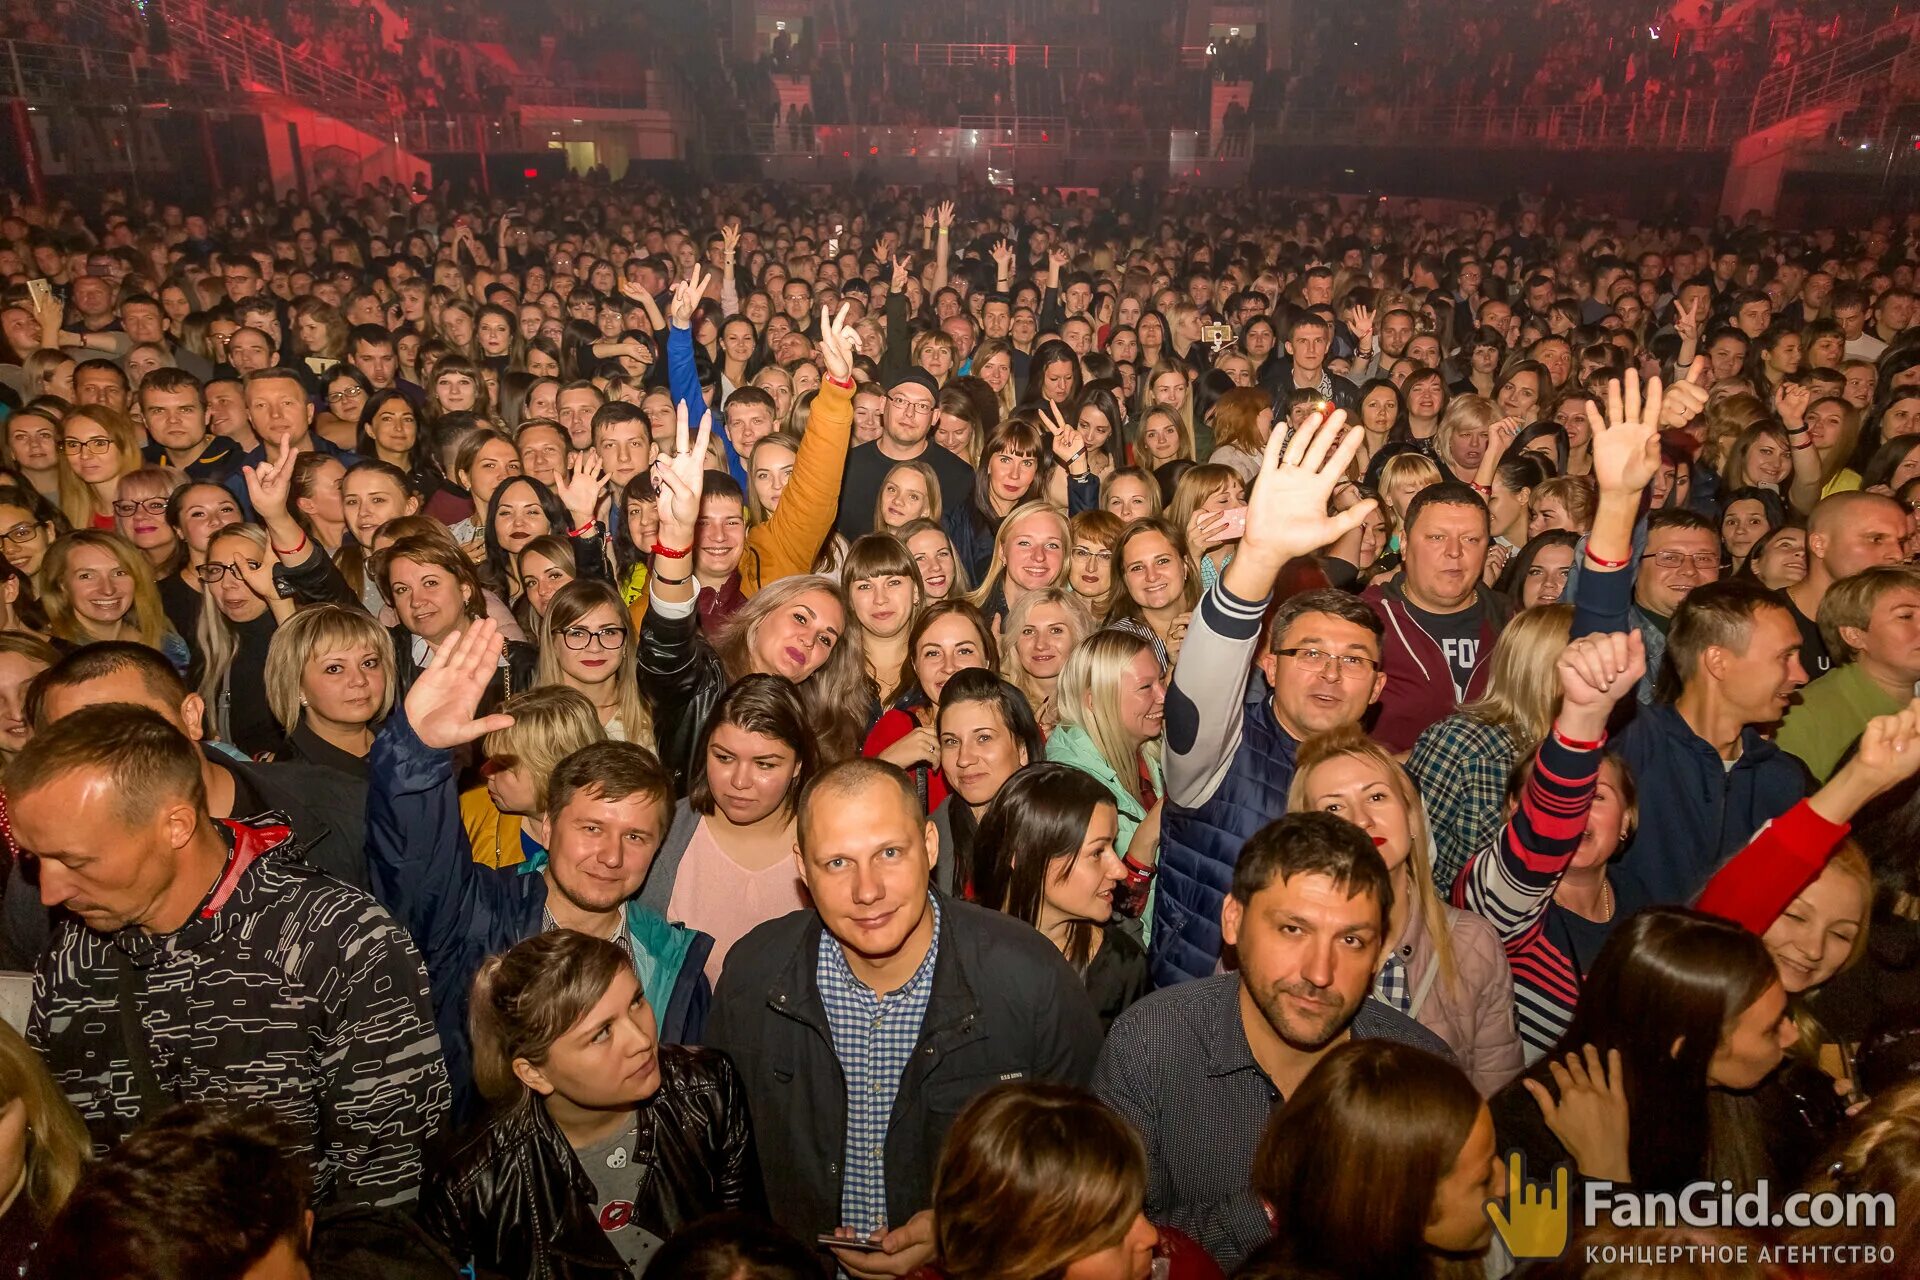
pixel 1830 715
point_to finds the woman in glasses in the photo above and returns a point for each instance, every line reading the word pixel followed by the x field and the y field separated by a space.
pixel 195 512
pixel 140 516
pixel 348 393
pixel 28 526
pixel 97 447
pixel 230 648
pixel 589 646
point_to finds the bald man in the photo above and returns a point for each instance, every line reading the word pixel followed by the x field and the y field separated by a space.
pixel 1846 532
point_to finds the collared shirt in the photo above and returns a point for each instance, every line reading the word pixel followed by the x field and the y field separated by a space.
pixel 623 939
pixel 873 1037
pixel 1178 1068
pixel 219 460
pixel 1390 984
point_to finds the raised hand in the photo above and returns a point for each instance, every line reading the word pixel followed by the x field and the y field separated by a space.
pixel 269 486
pixel 1687 398
pixel 1595 672
pixel 686 296
pixel 1791 402
pixel 1003 258
pixel 945 215
pixel 441 704
pixel 1069 442
pixel 926 219
pixel 1287 509
pixel 678 477
pixel 901 261
pixel 1590 1115
pixel 1360 320
pixel 1887 755
pixel 839 344
pixel 1626 440
pixel 580 491
pixel 730 239
pixel 1057 259
pixel 1687 320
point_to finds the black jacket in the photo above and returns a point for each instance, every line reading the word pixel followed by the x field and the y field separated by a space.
pixel 517 676
pixel 513 1199
pixel 1278 382
pixel 683 679
pixel 1004 1006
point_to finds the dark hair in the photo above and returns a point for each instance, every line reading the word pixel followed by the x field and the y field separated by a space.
pixel 1714 613
pixel 421 461
pixel 1447 493
pixel 734 1246
pixel 558 521
pixel 106 658
pixel 771 707
pixel 1054 351
pixel 980 684
pixel 1350 1162
pixel 1667 976
pixel 1040 815
pixel 1523 563
pixel 1331 601
pixel 909 690
pixel 200 1193
pixel 615 770
pixel 1313 844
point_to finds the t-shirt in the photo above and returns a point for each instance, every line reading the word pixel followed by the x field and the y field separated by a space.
pixel 610 1167
pixel 1458 635
pixel 1813 646
pixel 866 472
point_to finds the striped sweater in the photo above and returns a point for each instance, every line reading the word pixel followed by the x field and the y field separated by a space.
pixel 1512 882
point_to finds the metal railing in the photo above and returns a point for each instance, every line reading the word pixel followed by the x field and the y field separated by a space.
pixel 1835 74
pixel 1685 124
pixel 915 53
pixel 854 141
pixel 67 74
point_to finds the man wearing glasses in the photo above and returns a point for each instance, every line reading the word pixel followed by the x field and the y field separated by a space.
pixel 913 407
pixel 1230 747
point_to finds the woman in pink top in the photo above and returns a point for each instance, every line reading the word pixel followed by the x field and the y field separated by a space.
pixel 727 864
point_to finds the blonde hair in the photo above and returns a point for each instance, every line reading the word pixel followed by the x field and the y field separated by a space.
pixel 1463 413
pixel 550 723
pixel 1350 741
pixel 1183 427
pixel 757 513
pixel 1850 861
pixel 997 567
pixel 58 1145
pixel 145 615
pixel 78 501
pixel 1088 697
pixel 317 630
pixel 835 694
pixel 573 602
pixel 1523 688
pixel 1195 486
pixel 987 350
pixel 216 641
pixel 1410 464
pixel 1079 622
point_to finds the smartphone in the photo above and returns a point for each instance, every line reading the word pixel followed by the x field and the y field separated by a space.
pixel 40 291
pixel 827 1239
pixel 1216 334
pixel 1233 523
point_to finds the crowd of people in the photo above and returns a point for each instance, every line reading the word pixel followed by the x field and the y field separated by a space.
pixel 995 735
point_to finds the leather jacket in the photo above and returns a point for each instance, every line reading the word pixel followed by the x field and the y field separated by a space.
pixel 512 1199
pixel 683 679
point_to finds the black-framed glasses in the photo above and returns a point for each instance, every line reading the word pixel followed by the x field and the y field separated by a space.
pixel 1320 660
pixel 605 637
pixel 128 507
pixel 24 532
pixel 96 446
pixel 214 570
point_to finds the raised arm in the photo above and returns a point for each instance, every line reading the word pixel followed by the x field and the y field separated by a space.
pixel 788 542
pixel 1789 853
pixel 1287 516
pixel 682 376
pixel 942 244
pixel 1791 402
pixel 1626 455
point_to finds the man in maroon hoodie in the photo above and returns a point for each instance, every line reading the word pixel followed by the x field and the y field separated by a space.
pixel 1440 621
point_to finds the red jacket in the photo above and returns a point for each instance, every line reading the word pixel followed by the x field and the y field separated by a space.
pixel 1763 879
pixel 1419 690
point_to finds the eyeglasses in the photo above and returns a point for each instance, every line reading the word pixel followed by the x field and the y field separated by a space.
pixel 98 445
pixel 1704 561
pixel 1319 660
pixel 1088 553
pixel 605 637
pixel 910 408
pixel 350 393
pixel 213 570
pixel 128 507
pixel 24 532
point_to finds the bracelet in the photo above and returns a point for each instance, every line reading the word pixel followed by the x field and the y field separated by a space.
pixel 672 582
pixel 584 529
pixel 846 384
pixel 1484 490
pixel 1599 563
pixel 1798 447
pixel 295 550
pixel 1574 744
pixel 670 553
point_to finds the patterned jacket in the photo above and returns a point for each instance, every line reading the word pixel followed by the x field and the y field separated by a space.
pixel 287 989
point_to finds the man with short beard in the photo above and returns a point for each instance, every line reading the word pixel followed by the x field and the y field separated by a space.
pixel 1196 1068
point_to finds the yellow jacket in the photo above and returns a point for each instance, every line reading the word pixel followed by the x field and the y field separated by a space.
pixel 788 543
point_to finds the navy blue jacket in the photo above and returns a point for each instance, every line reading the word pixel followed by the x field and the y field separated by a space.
pixel 972 531
pixel 460 912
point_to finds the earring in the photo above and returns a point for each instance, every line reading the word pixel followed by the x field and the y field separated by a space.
pixel 303 700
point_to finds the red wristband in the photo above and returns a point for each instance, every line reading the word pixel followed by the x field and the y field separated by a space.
pixel 1574 744
pixel 670 553
pixel 1598 563
pixel 294 551
pixel 846 385
pixel 1484 490
pixel 583 530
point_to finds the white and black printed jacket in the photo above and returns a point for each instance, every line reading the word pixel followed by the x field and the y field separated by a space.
pixel 287 989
